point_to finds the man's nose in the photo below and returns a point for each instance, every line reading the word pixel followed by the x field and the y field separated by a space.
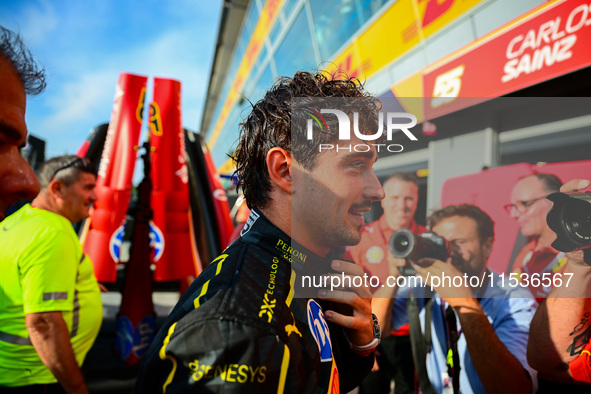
pixel 374 190
pixel 514 212
pixel 18 181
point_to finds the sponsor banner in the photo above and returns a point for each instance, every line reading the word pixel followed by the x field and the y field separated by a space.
pixel 399 29
pixel 170 192
pixel 114 180
pixel 550 41
pixel 130 340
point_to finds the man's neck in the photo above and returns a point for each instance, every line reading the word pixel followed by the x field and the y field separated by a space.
pixel 45 203
pixel 395 227
pixel 545 240
pixel 280 217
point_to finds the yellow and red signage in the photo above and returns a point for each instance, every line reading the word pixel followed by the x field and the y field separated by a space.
pixel 396 31
pixel 551 40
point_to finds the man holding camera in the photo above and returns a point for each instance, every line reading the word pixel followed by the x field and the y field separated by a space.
pixel 372 253
pixel 529 207
pixel 559 345
pixel 475 329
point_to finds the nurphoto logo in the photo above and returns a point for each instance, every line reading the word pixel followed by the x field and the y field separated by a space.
pixel 348 122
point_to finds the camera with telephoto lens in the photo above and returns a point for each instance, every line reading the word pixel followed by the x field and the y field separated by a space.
pixel 404 244
pixel 570 219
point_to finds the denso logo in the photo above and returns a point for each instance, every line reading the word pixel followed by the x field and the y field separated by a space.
pixel 395 121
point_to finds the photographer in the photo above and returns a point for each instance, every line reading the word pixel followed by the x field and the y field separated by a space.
pixel 529 208
pixel 399 205
pixel 474 335
pixel 559 346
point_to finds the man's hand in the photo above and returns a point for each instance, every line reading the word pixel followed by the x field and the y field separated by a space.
pixel 353 304
pixel 394 264
pixel 575 185
pixel 560 327
pixel 383 297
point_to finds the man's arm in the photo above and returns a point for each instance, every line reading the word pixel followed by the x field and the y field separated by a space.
pixel 382 303
pixel 50 337
pixel 489 355
pixel 561 326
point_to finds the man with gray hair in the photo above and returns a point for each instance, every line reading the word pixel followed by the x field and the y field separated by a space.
pixel 51 310
pixel 19 76
pixel 529 207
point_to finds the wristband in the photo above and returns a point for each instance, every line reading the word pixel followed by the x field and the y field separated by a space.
pixel 370 346
pixel 377 334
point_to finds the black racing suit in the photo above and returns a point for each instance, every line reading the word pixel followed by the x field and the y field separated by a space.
pixel 239 328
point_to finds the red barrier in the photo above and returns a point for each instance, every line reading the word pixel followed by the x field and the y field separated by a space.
pixel 170 192
pixel 114 181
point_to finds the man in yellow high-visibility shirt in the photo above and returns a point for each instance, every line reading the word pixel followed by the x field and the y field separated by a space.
pixel 50 305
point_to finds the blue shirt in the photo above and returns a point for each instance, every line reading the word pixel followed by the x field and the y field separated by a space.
pixel 509 311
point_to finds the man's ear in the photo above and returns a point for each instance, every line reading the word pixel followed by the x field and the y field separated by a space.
pixel 55 188
pixel 487 246
pixel 279 166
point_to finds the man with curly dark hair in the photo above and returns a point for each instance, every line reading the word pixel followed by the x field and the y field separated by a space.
pixel 19 76
pixel 248 323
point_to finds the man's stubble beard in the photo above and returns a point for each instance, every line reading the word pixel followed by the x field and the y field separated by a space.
pixel 341 237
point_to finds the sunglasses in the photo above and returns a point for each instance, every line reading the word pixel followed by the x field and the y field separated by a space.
pixel 74 162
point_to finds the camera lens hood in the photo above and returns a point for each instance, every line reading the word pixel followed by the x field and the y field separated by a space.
pixel 402 243
pixel 570 219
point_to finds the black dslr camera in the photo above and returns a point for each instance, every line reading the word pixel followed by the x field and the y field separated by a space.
pixel 404 244
pixel 570 219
